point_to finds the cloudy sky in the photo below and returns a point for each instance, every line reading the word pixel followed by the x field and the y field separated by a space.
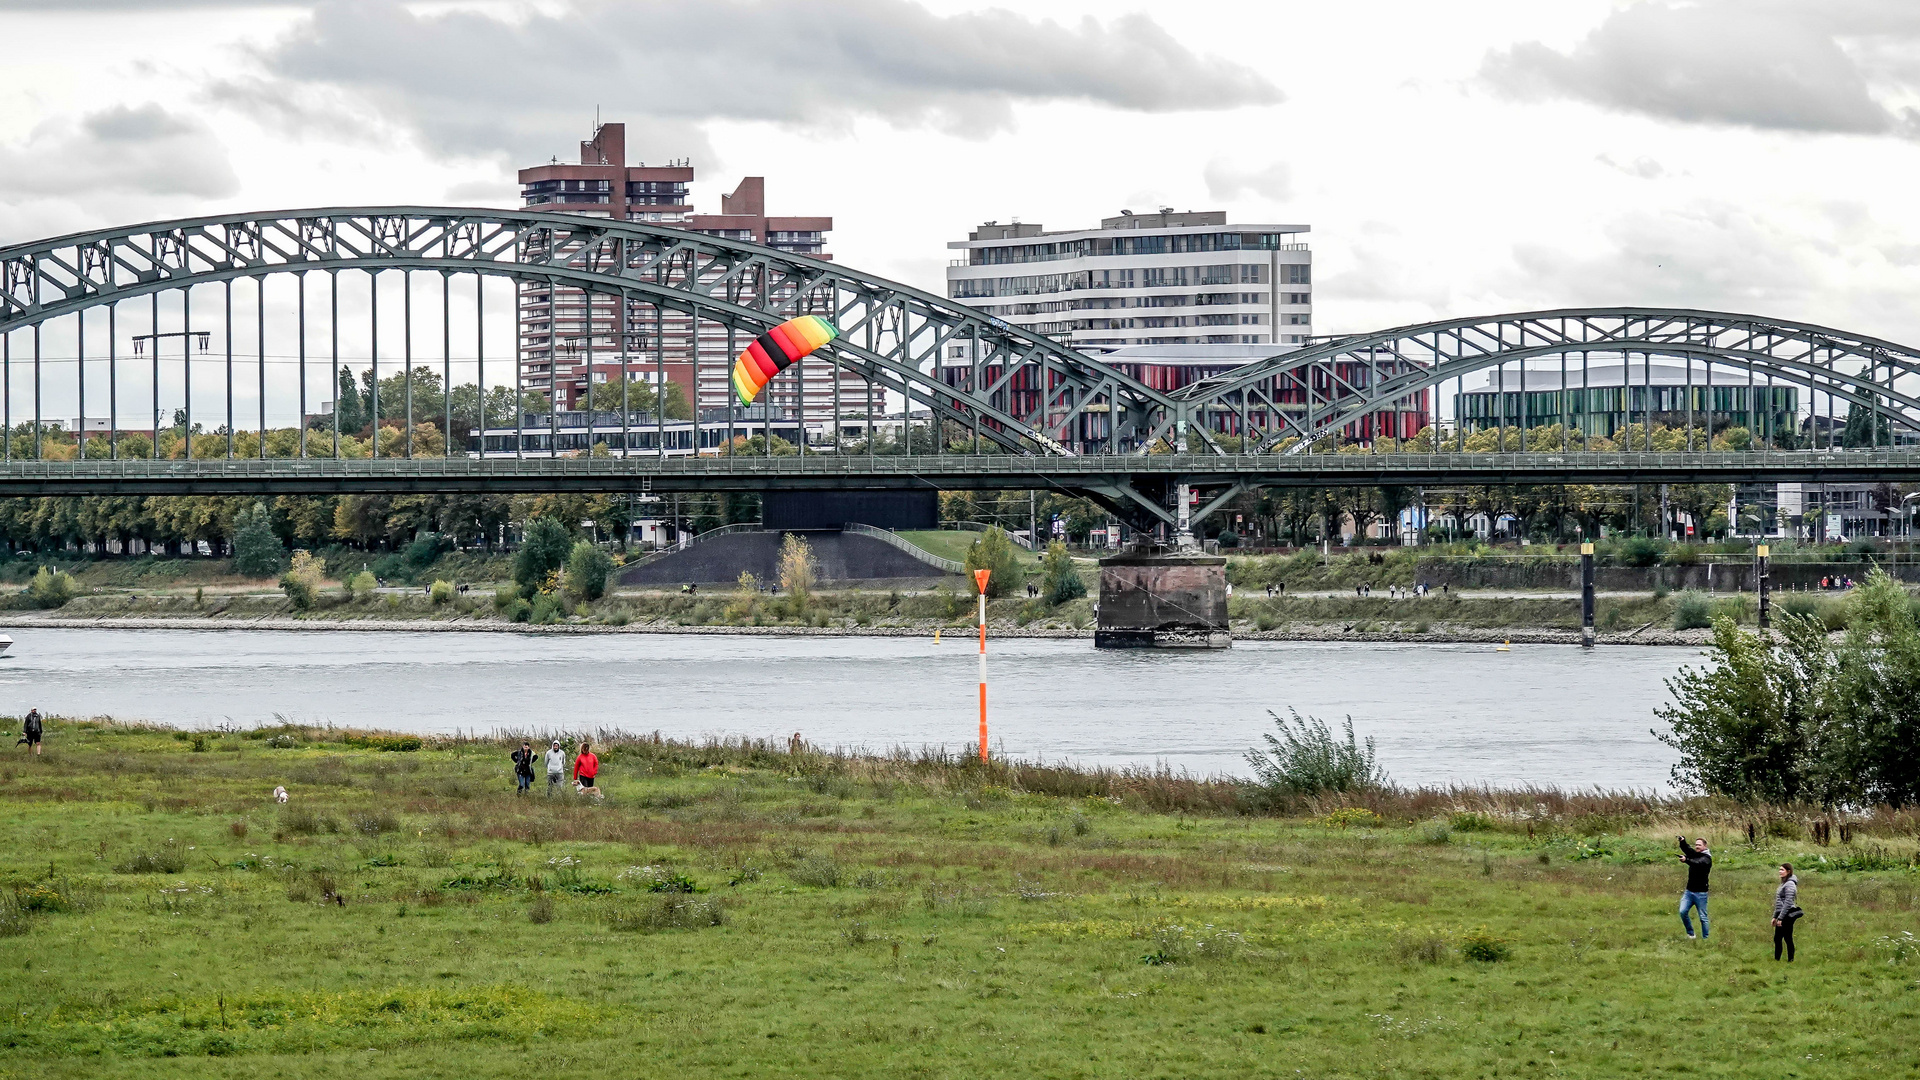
pixel 1452 159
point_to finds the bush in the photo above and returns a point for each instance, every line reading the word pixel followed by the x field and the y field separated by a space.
pixel 518 610
pixel 1306 759
pixel 1485 948
pixel 373 824
pixel 544 610
pixel 301 582
pixel 819 871
pixel 169 858
pixel 257 550
pixel 1639 551
pixel 361 585
pixel 440 592
pixel 51 589
pixel 543 551
pixel 587 571
pixel 541 912
pixel 390 743
pixel 994 552
pixel 426 550
pixel 798 568
pixel 666 911
pixel 1060 582
pixel 1430 949
pixel 1692 611
pixel 1436 832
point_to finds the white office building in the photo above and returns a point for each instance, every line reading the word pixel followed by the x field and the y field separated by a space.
pixel 1141 279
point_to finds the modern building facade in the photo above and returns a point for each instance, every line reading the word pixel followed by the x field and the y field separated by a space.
pixel 566 344
pixel 1604 396
pixel 1141 279
pixel 1170 367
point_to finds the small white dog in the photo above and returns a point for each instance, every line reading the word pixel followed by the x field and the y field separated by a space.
pixel 279 794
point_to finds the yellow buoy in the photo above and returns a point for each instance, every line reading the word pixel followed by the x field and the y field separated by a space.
pixel 936 635
pixel 1505 646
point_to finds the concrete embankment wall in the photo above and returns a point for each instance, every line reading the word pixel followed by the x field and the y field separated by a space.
pixel 842 557
pixel 1722 577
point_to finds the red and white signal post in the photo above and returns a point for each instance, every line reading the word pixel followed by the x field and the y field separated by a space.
pixel 980 582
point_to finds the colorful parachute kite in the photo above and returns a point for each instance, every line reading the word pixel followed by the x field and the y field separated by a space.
pixel 772 352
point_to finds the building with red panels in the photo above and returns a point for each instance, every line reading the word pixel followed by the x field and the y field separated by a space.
pixel 567 343
pixel 1171 367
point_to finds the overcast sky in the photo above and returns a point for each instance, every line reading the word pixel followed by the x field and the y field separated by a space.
pixel 1452 159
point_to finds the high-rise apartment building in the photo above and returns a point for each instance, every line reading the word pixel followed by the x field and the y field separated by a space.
pixel 564 346
pixel 1142 279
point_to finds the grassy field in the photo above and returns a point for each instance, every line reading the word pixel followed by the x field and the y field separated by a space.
pixel 406 915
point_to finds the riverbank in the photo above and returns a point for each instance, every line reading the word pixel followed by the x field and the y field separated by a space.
pixel 743 907
pixel 1438 634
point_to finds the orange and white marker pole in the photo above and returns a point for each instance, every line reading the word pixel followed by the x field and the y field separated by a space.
pixel 980 581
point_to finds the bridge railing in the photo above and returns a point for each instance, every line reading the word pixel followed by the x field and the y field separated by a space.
pixel 908 546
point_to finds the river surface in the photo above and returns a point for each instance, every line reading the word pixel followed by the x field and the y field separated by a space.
pixel 1540 714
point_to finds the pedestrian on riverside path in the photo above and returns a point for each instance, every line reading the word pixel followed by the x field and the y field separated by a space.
pixel 1699 864
pixel 523 769
pixel 556 768
pixel 1786 911
pixel 30 730
pixel 585 767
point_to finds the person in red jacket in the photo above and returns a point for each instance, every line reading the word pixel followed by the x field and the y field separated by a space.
pixel 585 766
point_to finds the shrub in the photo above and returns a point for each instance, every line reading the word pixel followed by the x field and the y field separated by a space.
pixel 301 582
pixel 543 551
pixel 426 550
pixel 373 824
pixel 1639 551
pixel 1436 832
pixel 519 610
pixel 257 550
pixel 1428 949
pixel 440 592
pixel 666 911
pixel 1348 816
pixel 994 552
pixel 360 585
pixel 1485 948
pixel 541 912
pixel 544 610
pixel 51 589
pixel 1306 759
pixel 1468 821
pixel 1060 582
pixel 169 858
pixel 659 879
pixel 819 871
pixel 390 743
pixel 1692 611
pixel 587 571
pixel 798 569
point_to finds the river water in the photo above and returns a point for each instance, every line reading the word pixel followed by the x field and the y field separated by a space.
pixel 1540 714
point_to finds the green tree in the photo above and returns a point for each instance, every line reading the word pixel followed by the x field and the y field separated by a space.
pixel 994 552
pixel 544 550
pixel 257 550
pixel 1790 715
pixel 798 570
pixel 347 407
pixel 640 398
pixel 1061 582
pixel 587 571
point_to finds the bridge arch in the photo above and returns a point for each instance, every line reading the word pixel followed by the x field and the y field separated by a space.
pixel 1018 390
pixel 1302 395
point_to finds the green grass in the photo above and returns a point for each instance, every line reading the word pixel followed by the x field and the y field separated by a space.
pixel 954 543
pixel 887 918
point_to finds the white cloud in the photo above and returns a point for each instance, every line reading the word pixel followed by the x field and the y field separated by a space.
pixel 122 150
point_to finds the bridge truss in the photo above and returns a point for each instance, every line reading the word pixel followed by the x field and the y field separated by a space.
pixel 248 322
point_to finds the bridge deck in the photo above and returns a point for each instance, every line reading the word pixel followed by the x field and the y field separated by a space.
pixel 313 476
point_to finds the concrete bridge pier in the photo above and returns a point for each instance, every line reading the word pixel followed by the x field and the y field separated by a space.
pixel 1152 598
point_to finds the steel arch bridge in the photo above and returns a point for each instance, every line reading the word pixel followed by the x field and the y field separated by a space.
pixel 1020 392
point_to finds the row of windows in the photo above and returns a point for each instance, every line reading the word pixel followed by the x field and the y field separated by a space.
pixel 1127 245
pixel 1134 278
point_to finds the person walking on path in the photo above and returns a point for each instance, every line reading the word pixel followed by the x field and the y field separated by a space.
pixel 1786 911
pixel 523 769
pixel 1699 864
pixel 585 767
pixel 31 729
pixel 556 767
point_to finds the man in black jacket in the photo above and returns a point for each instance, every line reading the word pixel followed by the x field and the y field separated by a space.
pixel 1699 864
pixel 31 730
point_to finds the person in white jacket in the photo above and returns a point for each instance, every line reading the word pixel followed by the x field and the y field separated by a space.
pixel 556 768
